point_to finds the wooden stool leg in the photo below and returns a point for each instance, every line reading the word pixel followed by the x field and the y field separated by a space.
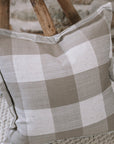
pixel 44 17
pixel 113 20
pixel 69 10
pixel 4 13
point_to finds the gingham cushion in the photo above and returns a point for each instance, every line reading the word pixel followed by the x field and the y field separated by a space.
pixel 59 87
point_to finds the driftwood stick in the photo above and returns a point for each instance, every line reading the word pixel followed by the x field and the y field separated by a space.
pixel 44 17
pixel 69 10
pixel 4 13
pixel 113 20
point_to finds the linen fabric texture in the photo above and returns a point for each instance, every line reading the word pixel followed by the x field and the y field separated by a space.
pixel 58 87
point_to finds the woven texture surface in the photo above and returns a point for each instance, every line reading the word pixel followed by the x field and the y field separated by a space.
pixel 5 120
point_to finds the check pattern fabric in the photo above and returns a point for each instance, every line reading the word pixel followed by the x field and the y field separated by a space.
pixel 58 87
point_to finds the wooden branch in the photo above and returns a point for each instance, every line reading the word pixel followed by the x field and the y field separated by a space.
pixel 4 13
pixel 69 10
pixel 44 17
pixel 113 20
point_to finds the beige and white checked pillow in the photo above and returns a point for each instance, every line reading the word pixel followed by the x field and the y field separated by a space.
pixel 59 86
